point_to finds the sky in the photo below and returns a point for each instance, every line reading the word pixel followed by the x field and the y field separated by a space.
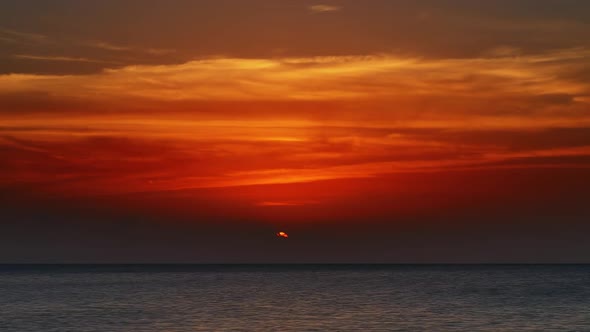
pixel 377 131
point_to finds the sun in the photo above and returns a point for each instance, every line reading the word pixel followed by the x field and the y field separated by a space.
pixel 283 235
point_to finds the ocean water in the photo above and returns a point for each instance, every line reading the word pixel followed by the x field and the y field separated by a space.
pixel 295 298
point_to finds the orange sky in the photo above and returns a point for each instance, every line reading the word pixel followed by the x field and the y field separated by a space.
pixel 303 122
pixel 230 122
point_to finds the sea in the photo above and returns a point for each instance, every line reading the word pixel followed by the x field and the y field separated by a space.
pixel 294 298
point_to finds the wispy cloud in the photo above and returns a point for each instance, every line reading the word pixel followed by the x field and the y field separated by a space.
pixel 159 51
pixel 334 78
pixel 58 58
pixel 28 36
pixel 323 8
pixel 107 46
pixel 127 48
pixel 20 37
pixel 8 40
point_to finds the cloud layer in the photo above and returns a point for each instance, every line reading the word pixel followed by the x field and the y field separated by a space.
pixel 128 116
pixel 324 8
pixel 230 122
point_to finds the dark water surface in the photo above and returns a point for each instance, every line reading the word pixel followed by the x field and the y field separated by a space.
pixel 295 298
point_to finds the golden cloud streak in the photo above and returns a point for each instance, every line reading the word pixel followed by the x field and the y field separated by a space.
pixel 319 78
